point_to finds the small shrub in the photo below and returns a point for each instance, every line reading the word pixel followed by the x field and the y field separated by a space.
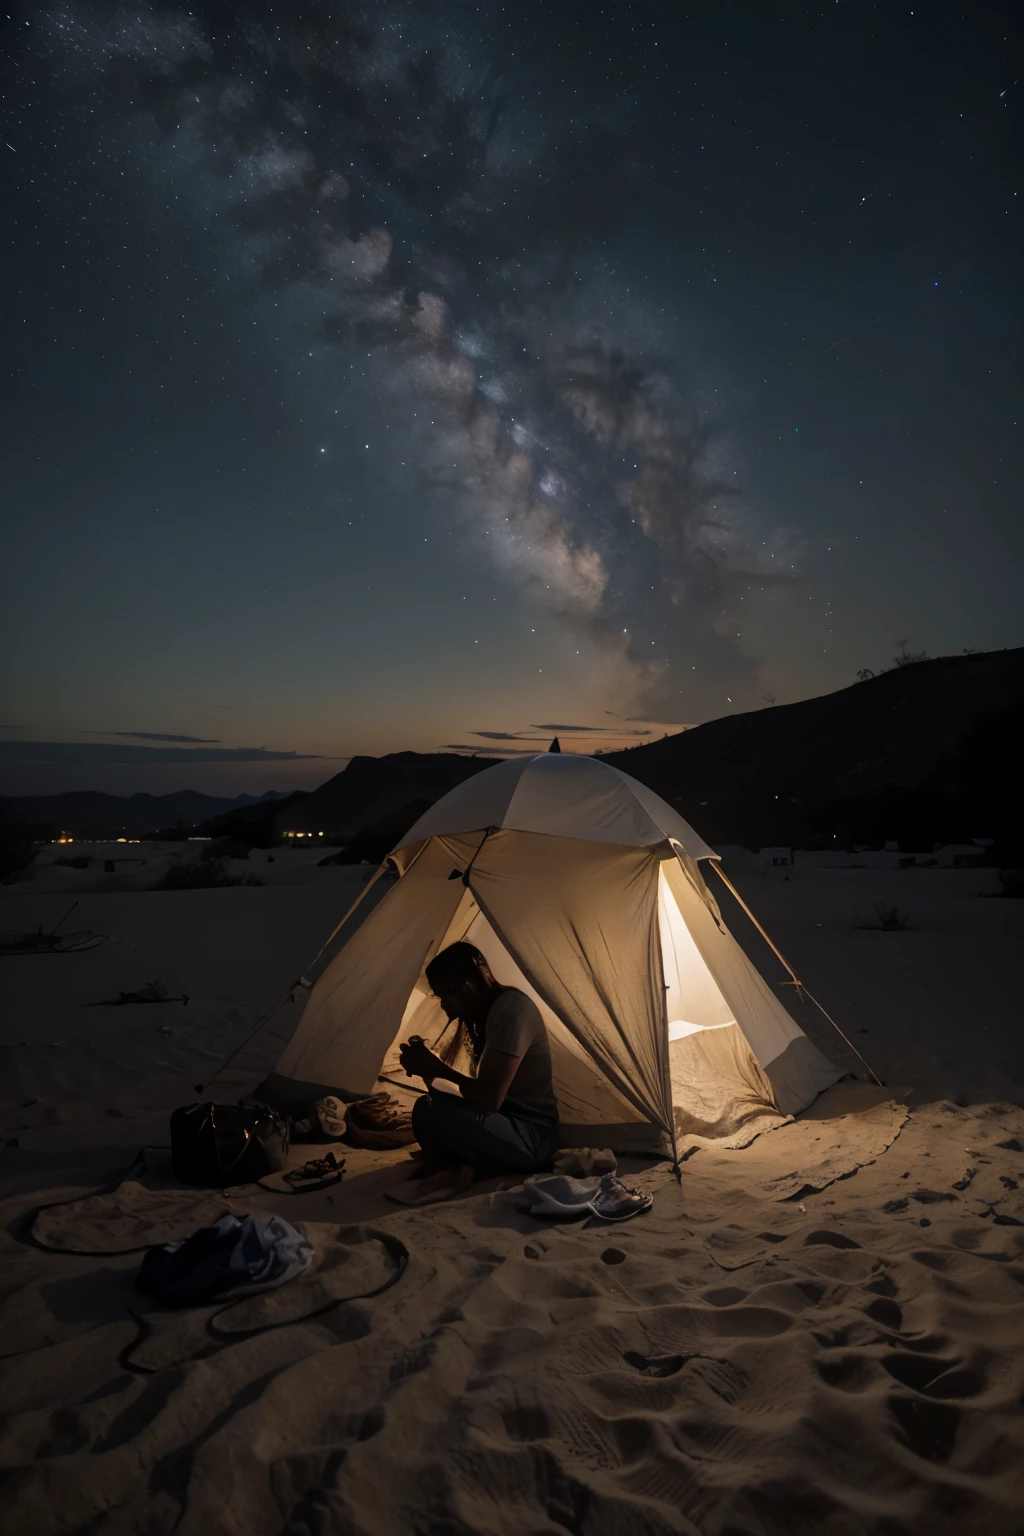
pixel 907 658
pixel 887 919
pixel 228 848
pixel 205 875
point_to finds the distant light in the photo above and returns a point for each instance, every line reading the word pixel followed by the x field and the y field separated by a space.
pixel 122 839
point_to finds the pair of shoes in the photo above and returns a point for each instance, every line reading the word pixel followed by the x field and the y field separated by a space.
pixel 378 1123
pixel 560 1196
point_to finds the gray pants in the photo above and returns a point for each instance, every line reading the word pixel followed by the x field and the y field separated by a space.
pixel 451 1131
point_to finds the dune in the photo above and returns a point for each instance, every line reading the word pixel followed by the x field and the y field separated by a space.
pixel 822 1331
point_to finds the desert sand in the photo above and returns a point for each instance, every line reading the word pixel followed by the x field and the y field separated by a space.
pixel 821 1331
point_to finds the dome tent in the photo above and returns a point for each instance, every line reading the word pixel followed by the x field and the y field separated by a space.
pixel 584 889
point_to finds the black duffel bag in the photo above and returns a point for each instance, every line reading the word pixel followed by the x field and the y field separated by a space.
pixel 219 1144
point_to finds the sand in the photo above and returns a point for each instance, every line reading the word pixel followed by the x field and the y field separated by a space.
pixel 823 1331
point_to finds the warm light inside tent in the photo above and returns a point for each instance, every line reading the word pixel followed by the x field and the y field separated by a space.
pixel 657 1020
pixel 692 998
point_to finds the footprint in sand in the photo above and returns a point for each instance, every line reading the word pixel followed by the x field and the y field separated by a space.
pixel 724 1296
pixel 928 1429
pixel 916 1371
pixel 887 1312
pixel 655 1365
pixel 829 1240
pixel 853 1372
pixel 613 1256
pixel 527 1423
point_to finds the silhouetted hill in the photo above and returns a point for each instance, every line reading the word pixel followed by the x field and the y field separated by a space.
pixel 372 788
pixel 925 752
pixel 89 813
pixel 375 842
pixel 256 824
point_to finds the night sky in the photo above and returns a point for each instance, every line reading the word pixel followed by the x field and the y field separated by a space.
pixel 405 376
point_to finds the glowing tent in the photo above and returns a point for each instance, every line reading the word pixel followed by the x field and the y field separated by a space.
pixel 584 889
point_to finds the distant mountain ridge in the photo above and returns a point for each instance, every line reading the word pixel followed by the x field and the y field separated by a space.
pixel 927 750
pixel 89 812
pixel 370 789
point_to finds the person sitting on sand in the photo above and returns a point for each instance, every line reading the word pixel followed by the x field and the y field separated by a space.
pixel 504 1117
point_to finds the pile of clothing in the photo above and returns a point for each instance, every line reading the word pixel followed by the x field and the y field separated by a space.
pixel 238 1256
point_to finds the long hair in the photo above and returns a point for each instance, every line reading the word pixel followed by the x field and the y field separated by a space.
pixel 462 967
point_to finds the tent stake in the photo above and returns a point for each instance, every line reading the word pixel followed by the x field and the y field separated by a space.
pixel 796 982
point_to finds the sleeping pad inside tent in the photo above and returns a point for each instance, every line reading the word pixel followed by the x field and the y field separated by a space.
pixel 584 889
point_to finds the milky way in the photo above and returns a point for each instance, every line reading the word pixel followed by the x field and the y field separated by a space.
pixel 387 374
pixel 381 185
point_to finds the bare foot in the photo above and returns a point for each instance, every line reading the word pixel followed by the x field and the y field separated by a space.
pixel 438 1186
pixel 455 1179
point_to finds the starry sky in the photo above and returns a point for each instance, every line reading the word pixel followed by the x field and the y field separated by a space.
pixel 398 376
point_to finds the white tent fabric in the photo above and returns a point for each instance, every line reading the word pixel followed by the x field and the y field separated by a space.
pixel 660 1026
pixel 561 795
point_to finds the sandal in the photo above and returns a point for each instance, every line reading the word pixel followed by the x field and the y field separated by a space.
pixel 318 1173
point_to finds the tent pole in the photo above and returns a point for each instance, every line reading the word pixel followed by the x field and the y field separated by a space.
pixel 289 995
pixel 666 1076
pixel 796 982
pixel 469 867
pixel 367 888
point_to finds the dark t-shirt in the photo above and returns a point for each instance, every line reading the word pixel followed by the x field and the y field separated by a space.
pixel 515 1025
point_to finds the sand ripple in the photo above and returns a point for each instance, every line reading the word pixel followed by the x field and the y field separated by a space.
pixel 846 1362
